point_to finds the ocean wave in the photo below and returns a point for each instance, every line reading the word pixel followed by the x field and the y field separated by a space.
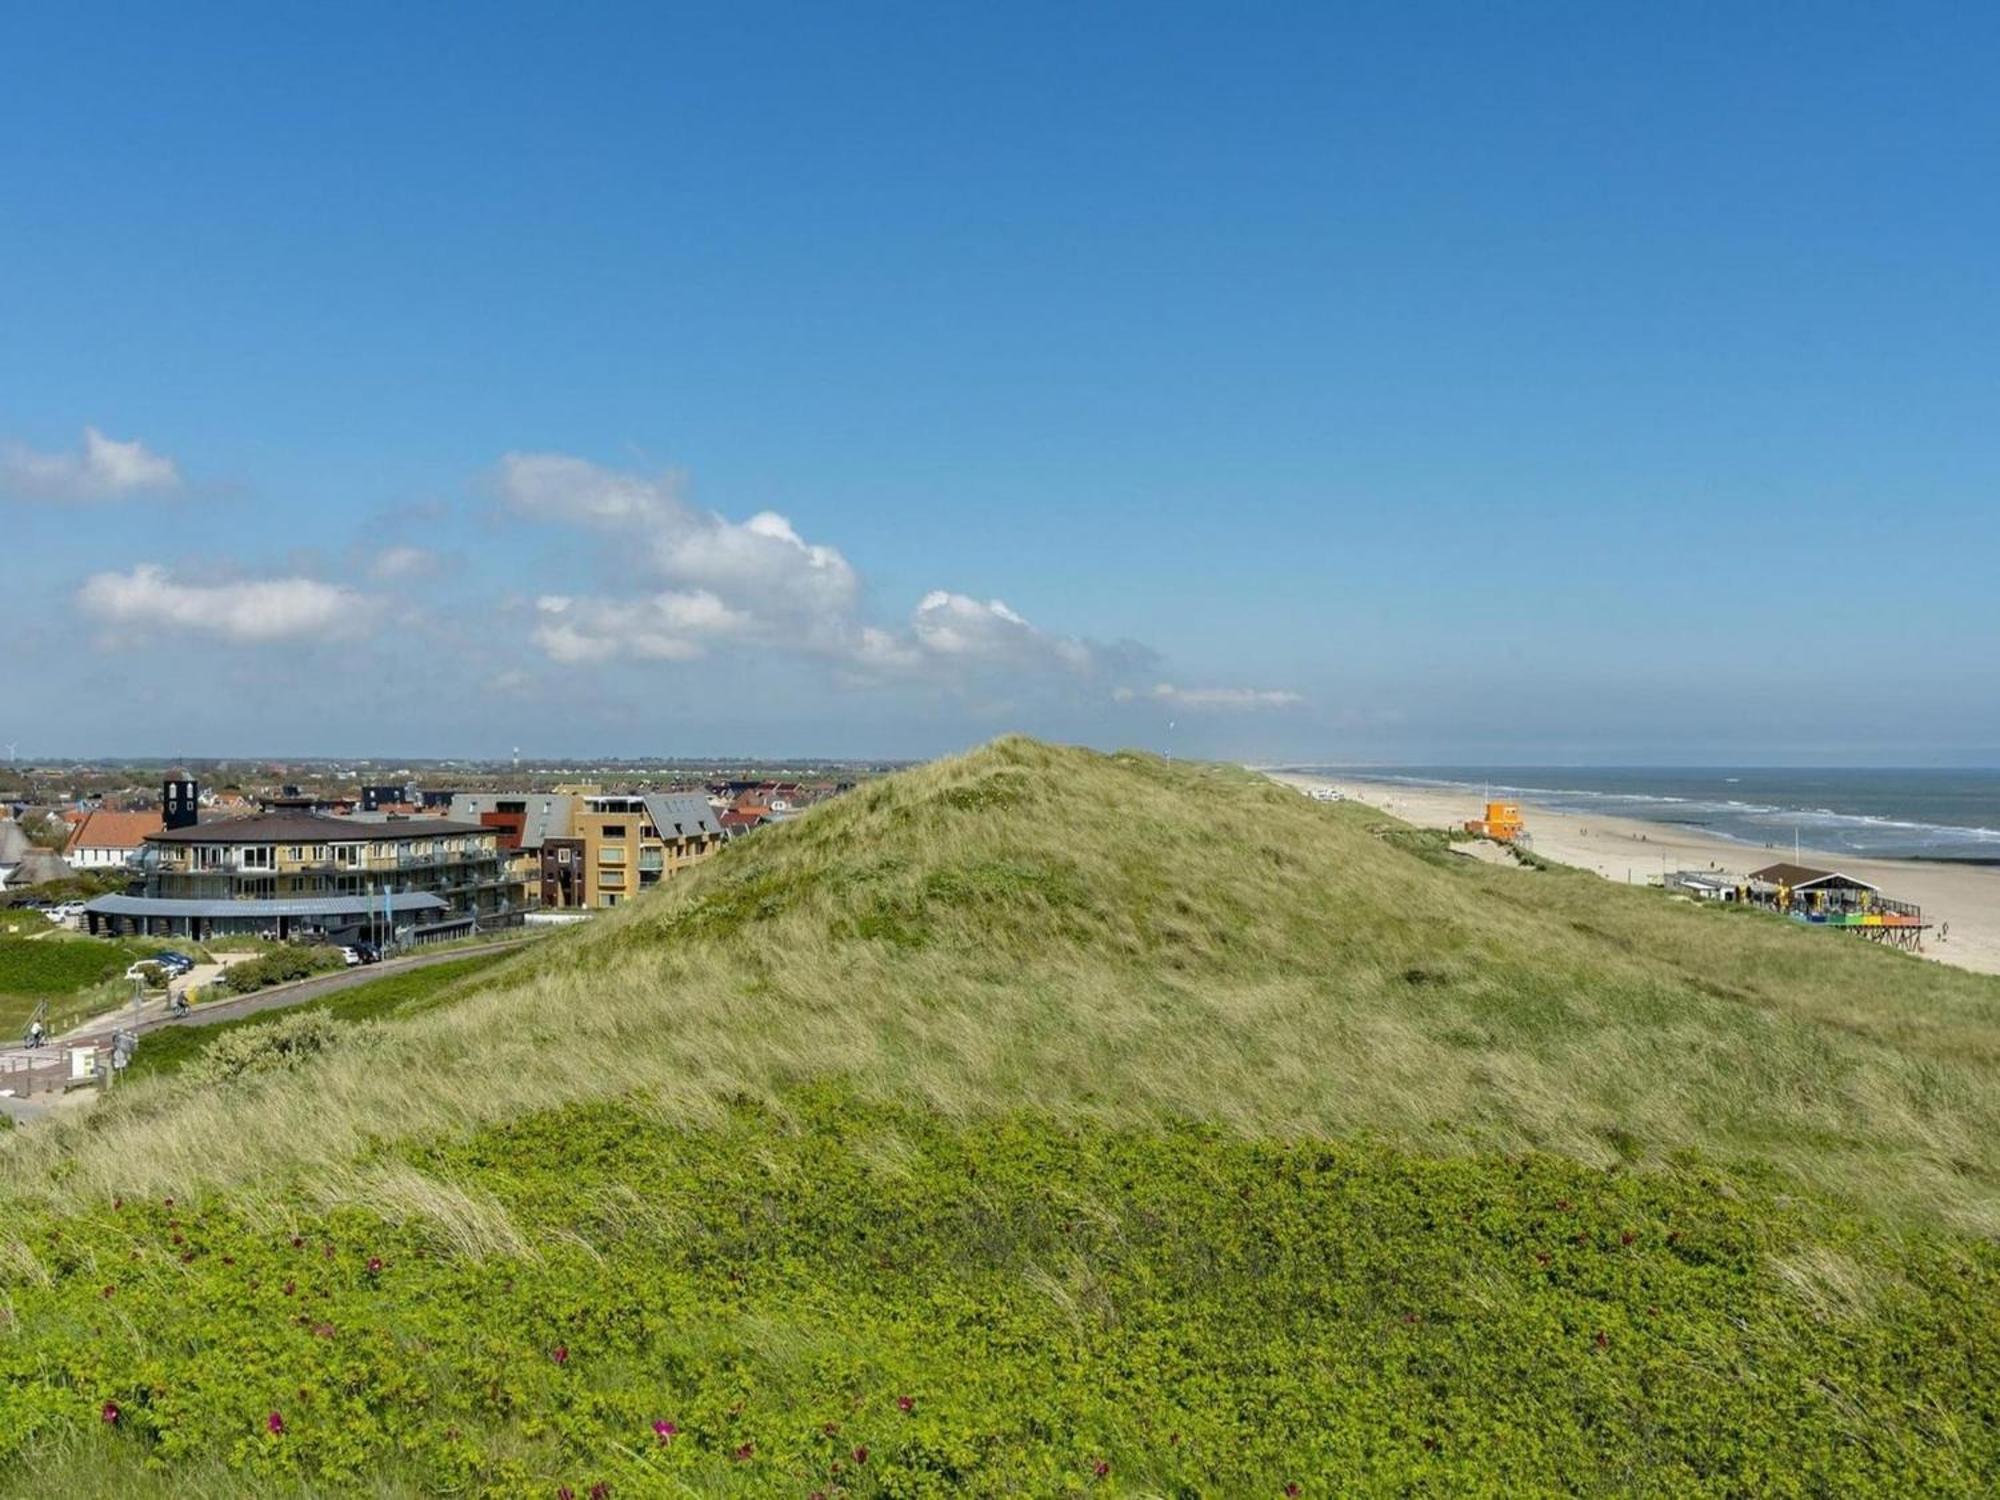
pixel 1766 822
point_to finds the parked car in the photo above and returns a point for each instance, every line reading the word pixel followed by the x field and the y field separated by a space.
pixel 145 970
pixel 370 954
pixel 177 959
pixel 351 956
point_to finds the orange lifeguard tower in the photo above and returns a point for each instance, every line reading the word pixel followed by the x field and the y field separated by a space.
pixel 1502 823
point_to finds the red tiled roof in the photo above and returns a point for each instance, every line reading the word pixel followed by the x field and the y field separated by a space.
pixel 114 830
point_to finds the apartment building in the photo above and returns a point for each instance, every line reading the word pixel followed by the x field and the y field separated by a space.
pixel 627 844
pixel 302 874
pixel 526 822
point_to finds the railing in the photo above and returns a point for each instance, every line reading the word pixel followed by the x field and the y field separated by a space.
pixel 188 868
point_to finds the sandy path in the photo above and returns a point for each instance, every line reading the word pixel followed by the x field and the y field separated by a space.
pixel 1966 898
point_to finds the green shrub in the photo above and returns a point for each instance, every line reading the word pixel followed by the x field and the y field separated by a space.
pixel 281 966
pixel 267 1047
pixel 1011 1307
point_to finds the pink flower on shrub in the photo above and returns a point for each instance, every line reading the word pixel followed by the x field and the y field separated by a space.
pixel 600 1491
pixel 906 1403
pixel 111 1291
pixel 374 1265
pixel 742 1454
pixel 1101 1469
pixel 665 1431
pixel 111 1413
pixel 560 1354
pixel 274 1424
pixel 860 1455
pixel 564 1492
pixel 290 1287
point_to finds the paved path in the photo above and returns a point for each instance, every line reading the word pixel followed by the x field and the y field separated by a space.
pixel 47 1062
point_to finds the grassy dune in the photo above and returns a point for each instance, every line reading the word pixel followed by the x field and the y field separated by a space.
pixel 1118 1114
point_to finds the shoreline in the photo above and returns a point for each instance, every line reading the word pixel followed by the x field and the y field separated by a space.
pixel 1962 896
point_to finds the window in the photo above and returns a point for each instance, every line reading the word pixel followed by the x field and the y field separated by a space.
pixel 613 831
pixel 611 879
pixel 607 900
pixel 611 856
pixel 562 856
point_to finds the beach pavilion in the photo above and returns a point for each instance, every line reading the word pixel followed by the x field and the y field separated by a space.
pixel 1829 898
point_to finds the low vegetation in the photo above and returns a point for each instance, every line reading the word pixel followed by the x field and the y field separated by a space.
pixel 73 975
pixel 409 992
pixel 1040 1123
pixel 281 966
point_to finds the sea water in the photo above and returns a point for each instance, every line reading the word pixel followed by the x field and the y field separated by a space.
pixel 1922 814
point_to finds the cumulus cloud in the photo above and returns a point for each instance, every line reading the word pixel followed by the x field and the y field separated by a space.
pixel 1210 700
pixel 956 627
pixel 103 470
pixel 247 612
pixel 755 581
pixel 668 626
pixel 762 564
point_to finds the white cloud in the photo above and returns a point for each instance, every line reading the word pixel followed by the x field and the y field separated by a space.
pixel 104 470
pixel 755 581
pixel 403 562
pixel 668 626
pixel 1210 700
pixel 956 626
pixel 762 564
pixel 246 612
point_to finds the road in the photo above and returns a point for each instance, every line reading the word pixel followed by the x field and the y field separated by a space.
pixel 25 1071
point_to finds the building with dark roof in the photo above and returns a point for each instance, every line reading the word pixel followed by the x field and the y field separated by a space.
pixel 527 822
pixel 627 844
pixel 315 875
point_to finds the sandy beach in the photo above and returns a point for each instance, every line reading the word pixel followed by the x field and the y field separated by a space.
pixel 1964 898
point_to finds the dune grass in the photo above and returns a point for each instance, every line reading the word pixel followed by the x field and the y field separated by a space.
pixel 1122 940
pixel 998 978
pixel 168 1049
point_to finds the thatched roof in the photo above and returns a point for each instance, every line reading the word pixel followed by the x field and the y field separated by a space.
pixel 39 866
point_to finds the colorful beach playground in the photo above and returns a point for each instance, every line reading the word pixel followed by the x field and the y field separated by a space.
pixel 1825 898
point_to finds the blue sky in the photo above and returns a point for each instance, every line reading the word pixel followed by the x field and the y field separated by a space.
pixel 1392 382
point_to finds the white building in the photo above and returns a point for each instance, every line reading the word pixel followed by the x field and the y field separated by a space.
pixel 109 840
